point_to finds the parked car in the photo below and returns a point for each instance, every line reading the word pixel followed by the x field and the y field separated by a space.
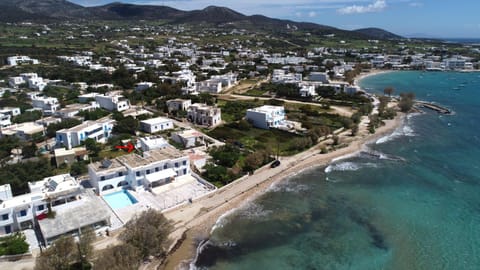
pixel 275 163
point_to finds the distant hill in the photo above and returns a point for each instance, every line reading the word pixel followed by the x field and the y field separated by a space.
pixel 377 33
pixel 59 10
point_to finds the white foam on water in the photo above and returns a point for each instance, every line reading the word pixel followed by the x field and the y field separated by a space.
pixel 402 131
pixel 254 210
pixel 349 166
pixel 222 220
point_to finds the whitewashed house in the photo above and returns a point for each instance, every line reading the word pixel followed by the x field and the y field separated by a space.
pixel 178 104
pixel 49 105
pixel 307 91
pixel 139 172
pixel 205 115
pixel 99 130
pixel 21 59
pixel 113 102
pixel 24 131
pixel 266 116
pixel 22 211
pixel 156 124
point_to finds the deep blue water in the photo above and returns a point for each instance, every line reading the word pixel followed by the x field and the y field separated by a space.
pixel 463 40
pixel 415 207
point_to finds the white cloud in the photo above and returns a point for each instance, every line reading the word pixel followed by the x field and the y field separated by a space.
pixel 376 6
pixel 415 4
pixel 312 14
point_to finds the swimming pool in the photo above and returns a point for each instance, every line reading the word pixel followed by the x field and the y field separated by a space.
pixel 119 199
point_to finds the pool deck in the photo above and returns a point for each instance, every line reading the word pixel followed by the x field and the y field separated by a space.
pixel 161 198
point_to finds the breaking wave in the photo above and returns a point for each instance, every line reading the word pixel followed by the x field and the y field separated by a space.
pixel 349 166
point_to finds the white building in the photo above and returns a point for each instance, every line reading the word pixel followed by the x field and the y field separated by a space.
pixel 49 105
pixel 16 81
pixel 227 80
pixel 205 115
pixel 113 102
pixel 21 59
pixel 281 76
pixel 209 86
pixel 178 104
pixel 99 130
pixel 143 86
pixel 457 63
pixel 318 77
pixel 12 111
pixel 152 143
pixel 19 212
pixel 156 124
pixel 307 91
pixel 188 138
pixel 24 131
pixel 5 120
pixel 36 83
pixel 73 109
pixel 266 116
pixel 155 168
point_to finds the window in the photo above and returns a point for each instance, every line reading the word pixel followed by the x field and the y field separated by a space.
pixel 120 173
pixel 184 171
pixel 184 162
pixel 102 178
pixel 137 173
pixel 176 164
pixel 165 166
pixel 8 229
pixel 40 207
pixel 157 169
pixel 148 171
pixel 5 217
pixel 23 213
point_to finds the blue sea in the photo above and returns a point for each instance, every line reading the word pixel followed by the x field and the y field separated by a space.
pixel 412 204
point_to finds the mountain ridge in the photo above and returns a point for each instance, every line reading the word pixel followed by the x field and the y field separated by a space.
pixel 60 10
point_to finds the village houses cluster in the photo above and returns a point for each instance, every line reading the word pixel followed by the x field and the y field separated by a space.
pixel 171 149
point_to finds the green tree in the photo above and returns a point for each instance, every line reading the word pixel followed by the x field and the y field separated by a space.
pixel 148 232
pixel 407 100
pixel 92 146
pixel 59 256
pixel 13 244
pixel 128 125
pixel 29 150
pixel 78 168
pixel 121 257
pixel 84 247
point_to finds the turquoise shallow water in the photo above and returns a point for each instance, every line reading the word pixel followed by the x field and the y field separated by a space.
pixel 413 204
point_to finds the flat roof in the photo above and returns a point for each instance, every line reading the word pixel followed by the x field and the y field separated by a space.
pixel 134 160
pixel 190 133
pixel 27 128
pixel 88 211
pixel 157 120
pixel 98 167
pixel 86 124
pixel 266 108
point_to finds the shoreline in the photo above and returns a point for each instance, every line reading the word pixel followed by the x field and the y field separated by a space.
pixel 194 222
pixel 372 72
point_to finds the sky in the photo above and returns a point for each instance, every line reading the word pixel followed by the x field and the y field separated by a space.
pixel 418 18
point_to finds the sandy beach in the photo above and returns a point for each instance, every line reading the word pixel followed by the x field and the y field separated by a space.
pixel 193 222
pixel 373 72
